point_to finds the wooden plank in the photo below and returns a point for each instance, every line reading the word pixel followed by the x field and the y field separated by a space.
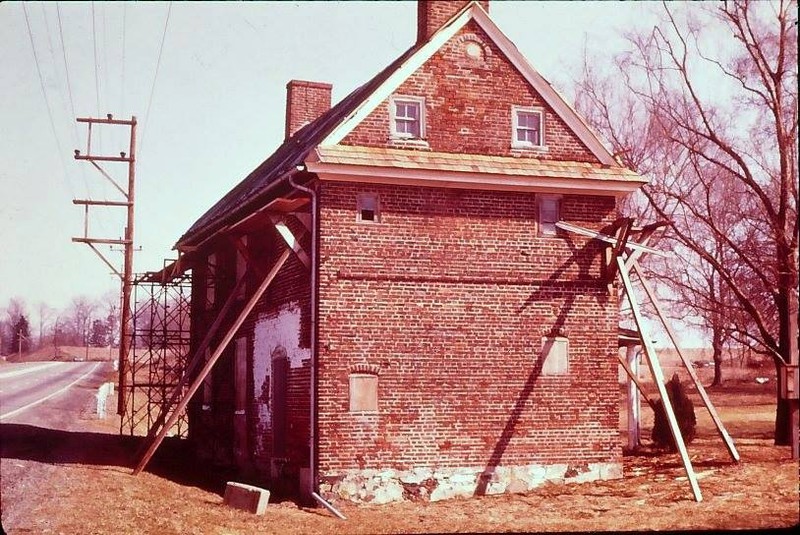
pixel 212 360
pixel 291 241
pixel 658 376
pixel 608 239
pixel 635 380
pixel 198 356
pixel 689 368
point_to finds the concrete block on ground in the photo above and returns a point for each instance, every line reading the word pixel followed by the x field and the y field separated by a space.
pixel 246 497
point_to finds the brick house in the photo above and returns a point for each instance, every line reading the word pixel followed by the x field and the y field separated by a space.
pixel 432 333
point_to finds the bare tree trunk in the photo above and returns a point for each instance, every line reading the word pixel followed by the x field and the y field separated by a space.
pixel 716 344
pixel 783 430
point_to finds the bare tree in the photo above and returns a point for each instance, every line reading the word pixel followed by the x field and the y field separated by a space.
pixel 705 104
pixel 45 312
pixel 15 310
pixel 80 315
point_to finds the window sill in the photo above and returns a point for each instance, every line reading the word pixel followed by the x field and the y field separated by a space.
pixel 520 150
pixel 409 143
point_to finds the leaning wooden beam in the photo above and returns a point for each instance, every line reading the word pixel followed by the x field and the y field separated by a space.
pixel 658 377
pixel 212 360
pixel 196 358
pixel 636 381
pixel 606 238
pixel 291 241
pixel 702 391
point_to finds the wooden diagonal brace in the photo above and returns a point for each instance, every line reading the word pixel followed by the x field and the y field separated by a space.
pixel 635 381
pixel 687 364
pixel 196 358
pixel 658 377
pixel 212 360
pixel 291 241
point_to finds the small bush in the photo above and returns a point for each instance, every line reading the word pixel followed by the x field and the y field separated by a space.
pixel 683 408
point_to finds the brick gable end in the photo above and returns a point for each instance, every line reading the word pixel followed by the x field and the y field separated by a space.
pixel 468 105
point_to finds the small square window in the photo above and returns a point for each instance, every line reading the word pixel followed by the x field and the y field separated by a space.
pixel 368 207
pixel 549 214
pixel 407 117
pixel 363 392
pixel 555 356
pixel 527 128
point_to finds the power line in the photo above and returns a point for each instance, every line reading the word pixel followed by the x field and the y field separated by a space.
pixel 47 103
pixel 66 69
pixel 122 85
pixel 69 91
pixel 96 74
pixel 155 77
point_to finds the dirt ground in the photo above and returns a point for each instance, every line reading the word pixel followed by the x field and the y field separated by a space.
pixel 78 480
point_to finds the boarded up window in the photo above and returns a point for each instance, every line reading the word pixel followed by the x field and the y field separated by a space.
pixel 363 392
pixel 280 401
pixel 555 356
pixel 240 374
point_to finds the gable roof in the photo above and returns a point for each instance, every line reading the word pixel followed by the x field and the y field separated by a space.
pixel 290 154
pixel 332 126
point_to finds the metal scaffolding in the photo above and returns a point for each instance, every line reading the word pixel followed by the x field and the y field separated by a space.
pixel 159 352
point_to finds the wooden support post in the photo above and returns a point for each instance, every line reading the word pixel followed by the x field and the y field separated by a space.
pixel 634 405
pixel 293 243
pixel 197 357
pixel 634 377
pixel 702 391
pixel 658 377
pixel 212 360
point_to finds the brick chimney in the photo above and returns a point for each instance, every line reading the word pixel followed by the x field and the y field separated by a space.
pixel 432 14
pixel 305 101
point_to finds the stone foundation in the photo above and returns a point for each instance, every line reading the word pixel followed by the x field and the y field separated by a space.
pixel 425 484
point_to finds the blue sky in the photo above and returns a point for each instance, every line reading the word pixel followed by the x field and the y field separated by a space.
pixel 216 112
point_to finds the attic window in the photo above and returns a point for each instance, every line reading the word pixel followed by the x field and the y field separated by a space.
pixel 549 214
pixel 368 206
pixel 407 117
pixel 527 128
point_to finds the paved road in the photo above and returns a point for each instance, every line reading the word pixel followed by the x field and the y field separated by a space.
pixel 24 386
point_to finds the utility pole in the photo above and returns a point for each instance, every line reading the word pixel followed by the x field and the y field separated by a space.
pixel 126 276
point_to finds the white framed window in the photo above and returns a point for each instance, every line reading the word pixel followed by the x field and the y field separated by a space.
pixel 407 117
pixel 549 209
pixel 527 128
pixel 363 392
pixel 555 355
pixel 368 208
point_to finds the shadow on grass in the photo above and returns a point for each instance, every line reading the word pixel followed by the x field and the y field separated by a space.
pixel 173 460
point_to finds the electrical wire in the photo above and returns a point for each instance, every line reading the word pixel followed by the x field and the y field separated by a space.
pixel 122 84
pixel 96 66
pixel 155 77
pixel 69 92
pixel 47 103
pixel 66 69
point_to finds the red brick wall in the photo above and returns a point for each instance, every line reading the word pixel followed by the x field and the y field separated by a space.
pixel 449 297
pixel 212 431
pixel 468 106
pixel 305 101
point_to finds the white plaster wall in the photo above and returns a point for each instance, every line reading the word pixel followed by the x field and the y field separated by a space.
pixel 273 330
